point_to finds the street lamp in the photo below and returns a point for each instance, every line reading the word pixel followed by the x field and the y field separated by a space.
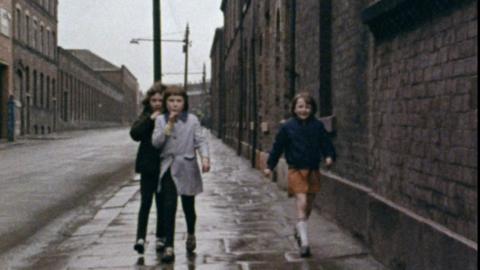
pixel 137 40
pixel 186 44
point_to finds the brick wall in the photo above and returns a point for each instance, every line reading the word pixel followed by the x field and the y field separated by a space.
pixel 308 47
pixel 350 92
pixel 424 119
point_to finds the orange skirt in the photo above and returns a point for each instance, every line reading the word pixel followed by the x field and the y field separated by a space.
pixel 303 181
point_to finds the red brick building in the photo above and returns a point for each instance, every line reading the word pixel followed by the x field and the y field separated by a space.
pixel 6 62
pixel 35 65
pixel 397 86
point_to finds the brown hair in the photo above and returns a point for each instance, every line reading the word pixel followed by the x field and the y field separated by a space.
pixel 174 90
pixel 156 88
pixel 308 99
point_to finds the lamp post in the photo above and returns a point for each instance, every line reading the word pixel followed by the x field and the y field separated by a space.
pixel 186 44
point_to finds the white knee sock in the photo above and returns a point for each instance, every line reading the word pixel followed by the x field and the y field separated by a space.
pixel 302 228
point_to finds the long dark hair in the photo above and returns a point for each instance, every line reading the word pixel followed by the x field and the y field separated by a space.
pixel 175 91
pixel 157 88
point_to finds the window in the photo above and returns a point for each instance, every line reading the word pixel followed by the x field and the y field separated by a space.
pixel 5 22
pixel 42 92
pixel 27 28
pixel 27 79
pixel 35 34
pixel 41 44
pixel 48 93
pixel 48 43
pixel 19 24
pixel 54 45
pixel 35 88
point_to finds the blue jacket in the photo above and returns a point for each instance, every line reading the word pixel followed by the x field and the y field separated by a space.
pixel 304 143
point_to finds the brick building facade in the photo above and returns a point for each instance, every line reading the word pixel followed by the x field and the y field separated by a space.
pixel 121 77
pixel 6 62
pixel 217 87
pixel 86 98
pixel 35 65
pixel 257 44
pixel 91 90
pixel 397 86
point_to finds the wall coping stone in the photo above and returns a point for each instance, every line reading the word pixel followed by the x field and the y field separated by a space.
pixel 387 18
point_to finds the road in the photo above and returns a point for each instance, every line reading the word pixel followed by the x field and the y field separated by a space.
pixel 40 181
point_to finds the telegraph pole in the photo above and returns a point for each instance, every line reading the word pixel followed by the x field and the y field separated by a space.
pixel 185 50
pixel 204 79
pixel 157 44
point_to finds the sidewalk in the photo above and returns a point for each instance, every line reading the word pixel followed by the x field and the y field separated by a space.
pixel 244 223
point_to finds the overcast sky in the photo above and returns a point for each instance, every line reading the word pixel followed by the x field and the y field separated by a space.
pixel 107 26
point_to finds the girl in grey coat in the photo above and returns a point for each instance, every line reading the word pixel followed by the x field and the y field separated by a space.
pixel 179 135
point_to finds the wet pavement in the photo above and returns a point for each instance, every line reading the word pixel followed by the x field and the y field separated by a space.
pixel 40 179
pixel 244 223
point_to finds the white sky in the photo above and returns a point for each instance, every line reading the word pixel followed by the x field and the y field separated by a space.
pixel 106 27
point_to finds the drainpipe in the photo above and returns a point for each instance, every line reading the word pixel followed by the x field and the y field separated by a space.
pixel 293 28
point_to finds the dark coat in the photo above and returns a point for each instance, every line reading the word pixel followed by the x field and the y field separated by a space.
pixel 148 157
pixel 304 143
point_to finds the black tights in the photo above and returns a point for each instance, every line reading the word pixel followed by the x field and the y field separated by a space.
pixel 169 201
pixel 148 188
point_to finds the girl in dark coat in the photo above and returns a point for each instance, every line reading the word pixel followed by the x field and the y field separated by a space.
pixel 148 165
pixel 304 141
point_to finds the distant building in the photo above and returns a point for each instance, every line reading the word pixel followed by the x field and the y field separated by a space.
pixel 86 99
pixel 122 77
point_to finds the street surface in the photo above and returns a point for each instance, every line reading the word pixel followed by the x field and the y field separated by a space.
pixel 244 223
pixel 40 180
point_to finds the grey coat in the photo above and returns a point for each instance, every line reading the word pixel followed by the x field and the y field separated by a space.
pixel 178 152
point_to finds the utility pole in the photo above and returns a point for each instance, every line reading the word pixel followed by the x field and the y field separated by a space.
pixel 185 50
pixel 204 79
pixel 157 44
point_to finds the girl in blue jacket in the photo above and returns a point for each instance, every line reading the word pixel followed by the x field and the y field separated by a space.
pixel 304 141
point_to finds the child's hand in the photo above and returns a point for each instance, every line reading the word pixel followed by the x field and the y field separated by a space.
pixel 205 165
pixel 173 117
pixel 267 172
pixel 155 115
pixel 328 162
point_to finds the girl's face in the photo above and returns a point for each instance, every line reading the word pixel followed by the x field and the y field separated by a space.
pixel 175 104
pixel 302 109
pixel 156 102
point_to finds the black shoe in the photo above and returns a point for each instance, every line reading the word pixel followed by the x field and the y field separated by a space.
pixel 168 256
pixel 160 245
pixel 191 243
pixel 139 246
pixel 305 252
